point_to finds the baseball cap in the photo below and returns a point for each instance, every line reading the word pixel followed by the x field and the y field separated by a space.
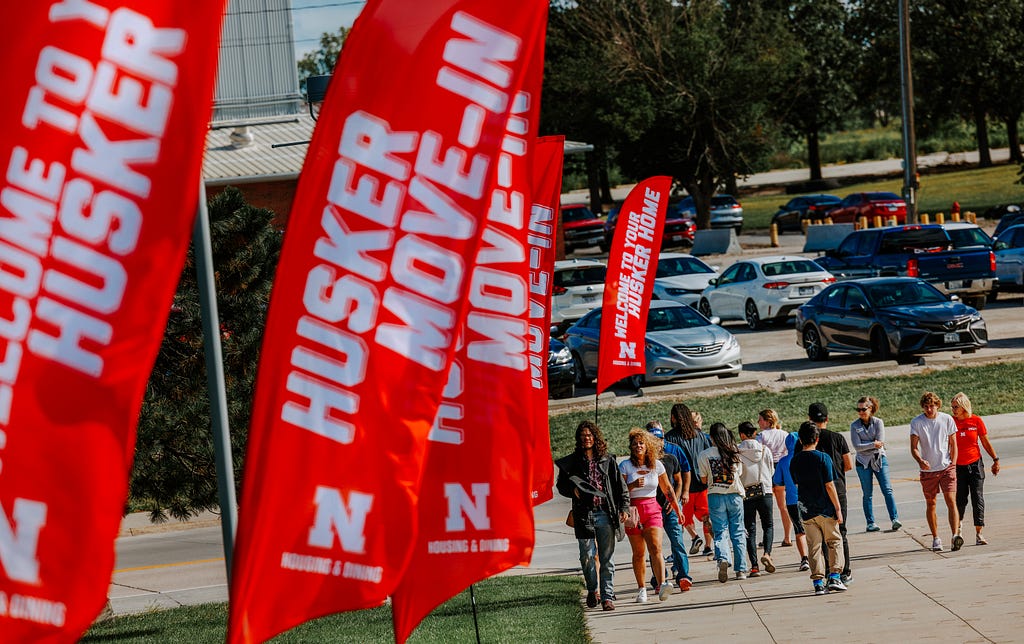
pixel 817 412
pixel 657 431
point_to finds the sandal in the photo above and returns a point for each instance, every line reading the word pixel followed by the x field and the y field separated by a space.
pixel 980 541
pixel 785 544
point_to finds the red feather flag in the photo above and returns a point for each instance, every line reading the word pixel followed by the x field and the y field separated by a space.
pixel 101 138
pixel 373 288
pixel 632 264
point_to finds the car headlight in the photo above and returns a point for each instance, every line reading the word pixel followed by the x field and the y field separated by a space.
pixel 562 356
pixel 976 318
pixel 657 349
pixel 901 323
pixel 731 343
pixel 681 291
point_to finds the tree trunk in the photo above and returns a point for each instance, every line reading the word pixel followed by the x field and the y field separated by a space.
pixel 981 129
pixel 1013 139
pixel 814 155
pixel 593 182
pixel 731 186
pixel 602 166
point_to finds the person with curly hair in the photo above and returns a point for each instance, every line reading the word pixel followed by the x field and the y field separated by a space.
pixel 933 446
pixel 590 477
pixel 645 474
pixel 687 435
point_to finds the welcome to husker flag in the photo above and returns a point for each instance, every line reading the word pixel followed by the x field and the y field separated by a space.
pixel 101 134
pixel 632 264
pixel 371 292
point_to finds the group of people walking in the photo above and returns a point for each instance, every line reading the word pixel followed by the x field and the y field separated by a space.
pixel 718 490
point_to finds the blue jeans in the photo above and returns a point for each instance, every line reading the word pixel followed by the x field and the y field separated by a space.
pixel 674 532
pixel 866 486
pixel 727 523
pixel 599 551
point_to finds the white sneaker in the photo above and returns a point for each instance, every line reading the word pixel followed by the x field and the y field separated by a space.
pixel 741 574
pixel 641 596
pixel 936 544
pixel 666 590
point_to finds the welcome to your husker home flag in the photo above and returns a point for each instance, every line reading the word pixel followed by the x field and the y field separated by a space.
pixel 101 134
pixel 370 295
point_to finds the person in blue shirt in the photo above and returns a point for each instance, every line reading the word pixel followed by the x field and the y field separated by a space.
pixel 814 475
pixel 784 480
pixel 677 466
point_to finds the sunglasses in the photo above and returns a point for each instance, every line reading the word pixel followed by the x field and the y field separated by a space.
pixel 863 409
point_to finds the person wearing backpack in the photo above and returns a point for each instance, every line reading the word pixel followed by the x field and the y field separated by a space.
pixel 686 433
pixel 758 469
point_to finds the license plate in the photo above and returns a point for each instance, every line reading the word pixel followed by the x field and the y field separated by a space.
pixel 951 338
pixel 806 290
pixel 956 284
pixel 676 237
pixel 592 298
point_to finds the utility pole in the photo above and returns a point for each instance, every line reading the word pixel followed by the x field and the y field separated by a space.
pixel 910 184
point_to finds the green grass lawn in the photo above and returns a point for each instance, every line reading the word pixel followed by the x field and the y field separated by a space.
pixel 515 609
pixel 976 190
pixel 993 389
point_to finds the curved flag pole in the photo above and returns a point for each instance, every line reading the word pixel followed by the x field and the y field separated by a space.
pixel 215 376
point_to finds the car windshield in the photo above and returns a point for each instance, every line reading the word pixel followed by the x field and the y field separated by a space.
pixel 582 276
pixel 672 318
pixel 577 213
pixel 968 237
pixel 904 294
pixel 914 240
pixel 790 267
pixel 884 196
pixel 673 266
pixel 824 200
pixel 723 201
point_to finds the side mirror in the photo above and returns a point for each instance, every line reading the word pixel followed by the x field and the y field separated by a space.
pixel 715 319
pixel 954 298
pixel 1000 245
pixel 713 281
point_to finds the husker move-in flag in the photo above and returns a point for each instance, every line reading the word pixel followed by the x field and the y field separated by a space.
pixel 547 192
pixel 101 138
pixel 632 264
pixel 475 508
pixel 371 293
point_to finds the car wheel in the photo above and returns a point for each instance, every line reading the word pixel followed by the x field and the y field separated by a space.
pixel 813 344
pixel 752 316
pixel 880 345
pixel 636 381
pixel 704 307
pixel 581 374
pixel 739 229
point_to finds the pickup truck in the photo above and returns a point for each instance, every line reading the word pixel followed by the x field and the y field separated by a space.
pixel 924 251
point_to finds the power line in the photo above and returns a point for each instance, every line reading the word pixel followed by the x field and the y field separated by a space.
pixel 328 5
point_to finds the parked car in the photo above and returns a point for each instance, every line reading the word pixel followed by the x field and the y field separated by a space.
pixel 1009 219
pixel 887 317
pixel 681 278
pixel 967 235
pixel 763 288
pixel 561 371
pixel 678 230
pixel 1009 251
pixel 581 227
pixel 680 343
pixel 921 250
pixel 1000 211
pixel 794 212
pixel 577 287
pixel 726 212
pixel 886 205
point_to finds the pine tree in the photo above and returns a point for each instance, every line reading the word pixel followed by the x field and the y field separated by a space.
pixel 174 470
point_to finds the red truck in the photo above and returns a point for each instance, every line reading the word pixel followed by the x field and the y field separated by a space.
pixel 581 227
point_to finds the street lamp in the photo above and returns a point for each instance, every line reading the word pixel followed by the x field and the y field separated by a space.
pixel 316 90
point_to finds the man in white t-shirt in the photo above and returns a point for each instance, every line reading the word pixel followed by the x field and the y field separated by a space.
pixel 933 446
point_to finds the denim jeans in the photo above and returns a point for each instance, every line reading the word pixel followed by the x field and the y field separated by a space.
pixel 762 506
pixel 674 532
pixel 598 552
pixel 727 523
pixel 866 486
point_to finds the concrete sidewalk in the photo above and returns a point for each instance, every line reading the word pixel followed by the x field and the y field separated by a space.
pixel 901 591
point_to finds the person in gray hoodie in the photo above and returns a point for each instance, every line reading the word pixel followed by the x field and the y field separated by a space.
pixel 758 469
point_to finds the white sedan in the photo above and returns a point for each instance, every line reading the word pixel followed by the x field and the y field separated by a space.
pixel 764 288
pixel 577 289
pixel 682 278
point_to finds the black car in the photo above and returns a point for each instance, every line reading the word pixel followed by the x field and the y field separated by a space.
pixel 791 214
pixel 889 317
pixel 561 371
pixel 1007 220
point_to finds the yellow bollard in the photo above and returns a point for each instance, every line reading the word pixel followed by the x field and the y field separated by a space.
pixel 862 222
pixel 828 221
pixel 972 217
pixel 955 216
pixel 925 218
pixel 803 225
pixel 774 235
pixel 878 221
pixel 940 218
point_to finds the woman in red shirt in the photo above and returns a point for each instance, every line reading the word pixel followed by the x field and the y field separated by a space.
pixel 970 469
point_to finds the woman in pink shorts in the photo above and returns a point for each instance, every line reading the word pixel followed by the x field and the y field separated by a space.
pixel 644 474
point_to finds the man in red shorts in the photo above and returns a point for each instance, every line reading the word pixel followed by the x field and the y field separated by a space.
pixel 933 446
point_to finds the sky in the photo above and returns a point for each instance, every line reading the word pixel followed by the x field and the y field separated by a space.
pixel 310 18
